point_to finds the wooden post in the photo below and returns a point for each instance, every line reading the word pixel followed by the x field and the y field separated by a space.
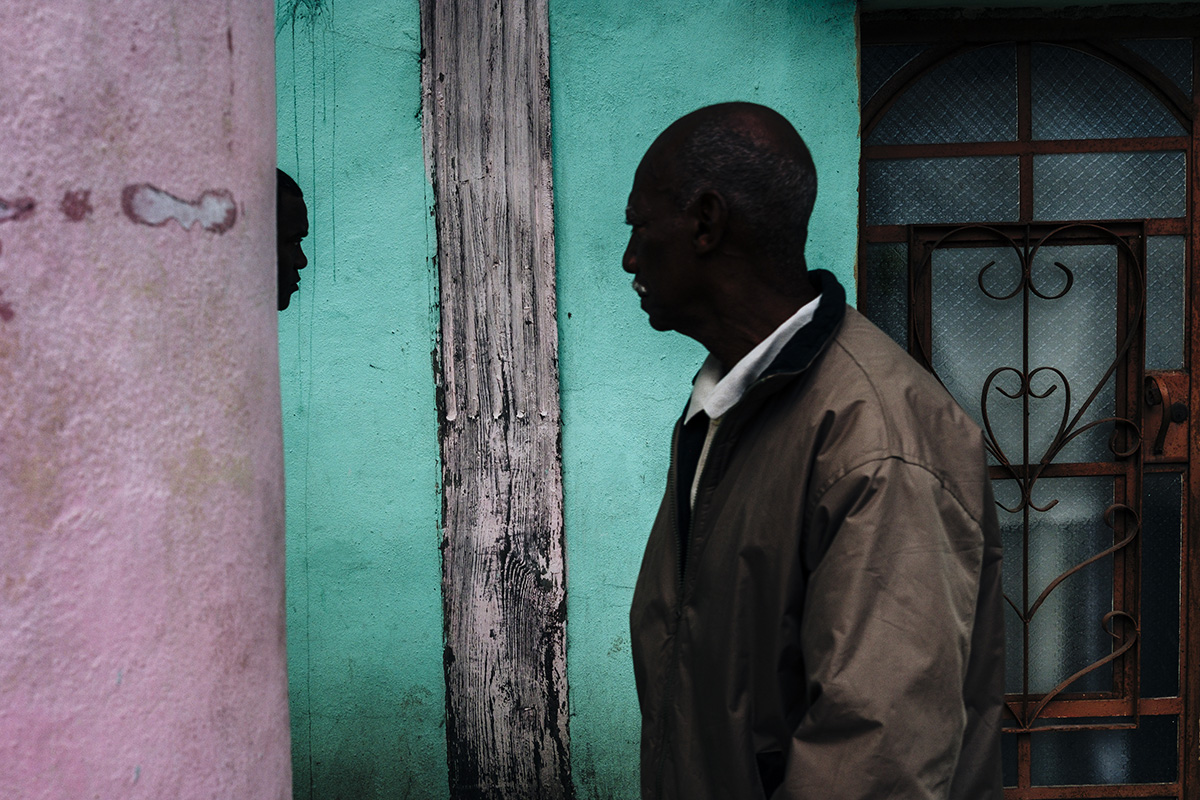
pixel 487 138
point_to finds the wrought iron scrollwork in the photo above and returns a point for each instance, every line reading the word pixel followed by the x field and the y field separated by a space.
pixel 1032 384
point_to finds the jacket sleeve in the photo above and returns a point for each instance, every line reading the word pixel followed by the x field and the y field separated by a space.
pixel 885 637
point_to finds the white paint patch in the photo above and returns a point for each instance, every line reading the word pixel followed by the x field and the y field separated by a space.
pixel 215 209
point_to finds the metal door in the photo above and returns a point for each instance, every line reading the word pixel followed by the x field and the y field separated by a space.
pixel 1026 236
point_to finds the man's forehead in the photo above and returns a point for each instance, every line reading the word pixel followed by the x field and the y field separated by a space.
pixel 651 178
pixel 291 208
pixel 292 204
pixel 293 226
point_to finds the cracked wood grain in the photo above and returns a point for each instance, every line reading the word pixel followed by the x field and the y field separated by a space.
pixel 487 140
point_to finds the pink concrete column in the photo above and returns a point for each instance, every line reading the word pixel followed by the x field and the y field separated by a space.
pixel 141 505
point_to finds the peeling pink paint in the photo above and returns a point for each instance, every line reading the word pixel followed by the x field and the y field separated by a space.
pixel 215 209
pixel 76 204
pixel 18 209
pixel 142 640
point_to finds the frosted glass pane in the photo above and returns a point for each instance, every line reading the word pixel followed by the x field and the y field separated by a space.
pixel 1075 334
pixel 1008 496
pixel 1161 527
pixel 1164 302
pixel 1146 754
pixel 1077 96
pixel 920 190
pixel 1066 632
pixel 1008 758
pixel 1108 185
pixel 882 62
pixel 1172 57
pixel 974 334
pixel 970 98
pixel 887 290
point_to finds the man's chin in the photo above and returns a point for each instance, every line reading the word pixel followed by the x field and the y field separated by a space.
pixel 658 323
pixel 285 297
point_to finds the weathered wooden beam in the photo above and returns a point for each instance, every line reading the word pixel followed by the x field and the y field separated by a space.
pixel 487 140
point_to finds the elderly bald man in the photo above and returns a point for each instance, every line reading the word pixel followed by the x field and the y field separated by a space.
pixel 818 611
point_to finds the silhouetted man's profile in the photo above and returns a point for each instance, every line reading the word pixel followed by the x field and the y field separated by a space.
pixel 291 221
pixel 818 611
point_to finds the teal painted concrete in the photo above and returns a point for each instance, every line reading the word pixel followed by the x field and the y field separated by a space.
pixel 360 423
pixel 621 71
pixel 359 415
pixel 976 5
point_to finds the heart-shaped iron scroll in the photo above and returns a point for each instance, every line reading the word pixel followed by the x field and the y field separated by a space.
pixel 1044 383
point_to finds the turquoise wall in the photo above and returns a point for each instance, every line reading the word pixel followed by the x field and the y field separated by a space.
pixel 878 5
pixel 620 72
pixel 360 423
pixel 359 417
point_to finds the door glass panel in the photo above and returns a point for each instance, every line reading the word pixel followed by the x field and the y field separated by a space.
pixel 1171 57
pixel 882 62
pixel 1008 758
pixel 969 98
pixel 1072 342
pixel 1078 96
pixel 1076 335
pixel 1146 754
pixel 887 289
pixel 905 191
pixel 1108 185
pixel 1164 299
pixel 974 334
pixel 1161 526
pixel 1066 632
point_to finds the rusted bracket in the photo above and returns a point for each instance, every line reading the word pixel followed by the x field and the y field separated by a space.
pixel 1158 393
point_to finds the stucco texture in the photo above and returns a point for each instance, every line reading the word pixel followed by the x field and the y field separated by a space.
pixel 359 413
pixel 620 72
pixel 141 553
pixel 973 7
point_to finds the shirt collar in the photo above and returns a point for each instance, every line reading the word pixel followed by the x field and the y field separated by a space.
pixel 715 393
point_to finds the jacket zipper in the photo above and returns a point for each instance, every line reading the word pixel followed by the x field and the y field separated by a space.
pixel 669 693
pixel 669 689
pixel 672 471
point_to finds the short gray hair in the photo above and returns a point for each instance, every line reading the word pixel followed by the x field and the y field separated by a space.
pixel 771 190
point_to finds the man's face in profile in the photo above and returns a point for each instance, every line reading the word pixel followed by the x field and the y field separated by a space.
pixel 292 228
pixel 658 254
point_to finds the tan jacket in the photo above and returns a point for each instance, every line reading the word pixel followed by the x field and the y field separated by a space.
pixel 836 630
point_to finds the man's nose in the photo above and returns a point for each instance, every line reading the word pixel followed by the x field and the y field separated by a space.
pixel 627 260
pixel 302 260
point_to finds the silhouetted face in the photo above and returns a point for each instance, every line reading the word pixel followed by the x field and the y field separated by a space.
pixel 659 254
pixel 292 221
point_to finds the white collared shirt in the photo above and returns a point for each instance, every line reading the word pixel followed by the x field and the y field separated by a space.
pixel 715 393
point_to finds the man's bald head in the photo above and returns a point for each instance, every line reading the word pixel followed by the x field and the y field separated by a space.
pixel 754 158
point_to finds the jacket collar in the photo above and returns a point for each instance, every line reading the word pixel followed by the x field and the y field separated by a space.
pixel 803 348
pixel 813 338
pixel 715 391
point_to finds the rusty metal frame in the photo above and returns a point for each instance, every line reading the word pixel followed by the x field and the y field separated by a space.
pixel 948 35
pixel 1026 239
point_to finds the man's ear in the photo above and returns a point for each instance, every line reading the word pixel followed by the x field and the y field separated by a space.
pixel 711 218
